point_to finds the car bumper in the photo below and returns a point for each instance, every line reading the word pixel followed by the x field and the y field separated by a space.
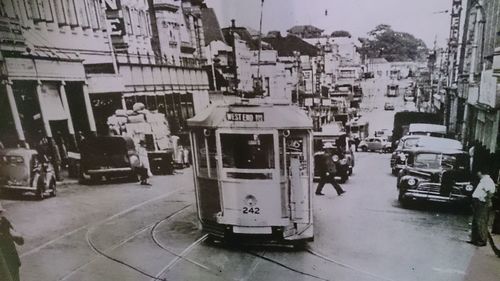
pixel 18 187
pixel 436 197
pixel 110 171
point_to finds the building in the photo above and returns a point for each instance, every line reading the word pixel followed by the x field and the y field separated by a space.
pixel 67 65
pixel 46 51
pixel 477 102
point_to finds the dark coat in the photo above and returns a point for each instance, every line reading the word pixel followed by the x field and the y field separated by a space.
pixel 7 246
pixel 326 165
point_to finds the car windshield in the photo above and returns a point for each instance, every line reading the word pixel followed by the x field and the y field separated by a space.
pixel 437 161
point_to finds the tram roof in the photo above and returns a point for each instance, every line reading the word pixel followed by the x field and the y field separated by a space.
pixel 270 116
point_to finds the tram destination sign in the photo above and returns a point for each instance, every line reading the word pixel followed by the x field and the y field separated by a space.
pixel 245 116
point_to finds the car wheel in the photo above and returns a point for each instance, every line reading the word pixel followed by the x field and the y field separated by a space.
pixel 53 188
pixel 394 172
pixel 350 171
pixel 364 149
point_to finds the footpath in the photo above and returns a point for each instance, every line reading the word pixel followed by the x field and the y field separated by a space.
pixel 484 264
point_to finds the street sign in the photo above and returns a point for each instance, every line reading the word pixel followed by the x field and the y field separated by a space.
pixel 245 116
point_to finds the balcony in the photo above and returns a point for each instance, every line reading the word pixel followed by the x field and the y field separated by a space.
pixel 11 32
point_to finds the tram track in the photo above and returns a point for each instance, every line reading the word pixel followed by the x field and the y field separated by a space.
pixel 344 265
pixel 104 252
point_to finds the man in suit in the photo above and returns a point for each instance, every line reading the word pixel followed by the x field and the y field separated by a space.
pixel 328 171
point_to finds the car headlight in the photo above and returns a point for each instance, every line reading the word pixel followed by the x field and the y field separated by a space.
pixel 469 187
pixel 335 158
pixel 402 157
pixel 134 161
pixel 412 181
pixel 343 161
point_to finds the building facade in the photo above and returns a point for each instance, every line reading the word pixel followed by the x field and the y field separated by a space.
pixel 67 65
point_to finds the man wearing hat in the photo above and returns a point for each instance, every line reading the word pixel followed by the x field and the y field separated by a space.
pixel 328 170
pixel 9 258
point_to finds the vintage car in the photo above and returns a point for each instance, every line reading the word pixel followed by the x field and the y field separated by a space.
pixel 435 174
pixel 380 144
pixel 108 157
pixel 389 106
pixel 24 170
pixel 407 143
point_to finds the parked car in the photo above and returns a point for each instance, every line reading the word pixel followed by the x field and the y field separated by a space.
pixel 24 170
pixel 409 142
pixel 435 174
pixel 375 144
pixel 388 106
pixel 108 157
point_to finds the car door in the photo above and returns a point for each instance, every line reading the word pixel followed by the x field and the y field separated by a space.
pixel 376 144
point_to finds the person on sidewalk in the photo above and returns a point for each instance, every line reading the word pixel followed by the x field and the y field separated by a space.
pixel 143 171
pixel 481 204
pixel 328 171
pixel 9 258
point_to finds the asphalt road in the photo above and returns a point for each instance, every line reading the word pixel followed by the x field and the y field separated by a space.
pixel 124 231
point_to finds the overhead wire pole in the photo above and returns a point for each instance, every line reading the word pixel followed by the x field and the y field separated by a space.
pixel 260 46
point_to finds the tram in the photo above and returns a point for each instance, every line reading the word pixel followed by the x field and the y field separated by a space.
pixel 253 171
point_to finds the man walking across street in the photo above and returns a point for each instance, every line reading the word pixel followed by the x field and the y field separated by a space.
pixel 481 204
pixel 328 170
pixel 9 258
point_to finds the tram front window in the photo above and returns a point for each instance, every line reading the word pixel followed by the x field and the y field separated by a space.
pixel 242 154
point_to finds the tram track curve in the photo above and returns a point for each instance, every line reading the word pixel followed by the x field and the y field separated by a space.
pixel 104 252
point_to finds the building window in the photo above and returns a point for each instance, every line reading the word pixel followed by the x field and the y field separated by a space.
pixel 91 13
pixel 128 20
pixel 148 24
pixel 81 8
pixel 60 12
pixel 71 12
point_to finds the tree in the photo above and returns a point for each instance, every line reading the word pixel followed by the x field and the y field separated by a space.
pixel 383 42
pixel 341 33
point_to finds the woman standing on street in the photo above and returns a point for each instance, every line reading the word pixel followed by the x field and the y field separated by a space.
pixel 9 258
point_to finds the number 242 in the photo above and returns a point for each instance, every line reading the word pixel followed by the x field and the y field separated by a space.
pixel 252 210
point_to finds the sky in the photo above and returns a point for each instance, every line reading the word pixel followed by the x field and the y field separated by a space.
pixel 422 18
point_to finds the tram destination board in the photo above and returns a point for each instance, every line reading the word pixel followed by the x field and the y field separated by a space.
pixel 245 116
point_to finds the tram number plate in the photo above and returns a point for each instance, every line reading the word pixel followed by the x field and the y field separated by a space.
pixel 245 116
pixel 251 210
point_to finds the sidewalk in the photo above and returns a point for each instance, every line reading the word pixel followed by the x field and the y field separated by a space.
pixel 484 265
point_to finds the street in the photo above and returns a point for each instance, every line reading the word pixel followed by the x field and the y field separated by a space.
pixel 362 235
pixel 124 231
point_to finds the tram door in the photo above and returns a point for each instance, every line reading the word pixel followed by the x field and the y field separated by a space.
pixel 297 151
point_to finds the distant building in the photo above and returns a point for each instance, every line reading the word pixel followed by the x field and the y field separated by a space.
pixel 305 31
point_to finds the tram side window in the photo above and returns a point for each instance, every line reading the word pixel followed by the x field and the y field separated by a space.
pixel 206 167
pixel 247 151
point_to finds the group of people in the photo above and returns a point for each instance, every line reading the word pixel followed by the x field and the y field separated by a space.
pixel 9 258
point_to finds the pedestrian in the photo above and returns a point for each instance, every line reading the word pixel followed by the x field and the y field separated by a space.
pixel 328 170
pixel 143 170
pixel 9 258
pixel 481 205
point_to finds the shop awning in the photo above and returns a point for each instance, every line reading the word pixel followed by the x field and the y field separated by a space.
pixel 51 103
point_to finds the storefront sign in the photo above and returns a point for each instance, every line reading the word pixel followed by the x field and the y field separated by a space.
pixel 245 117
pixel 456 10
pixel 308 102
pixel 114 17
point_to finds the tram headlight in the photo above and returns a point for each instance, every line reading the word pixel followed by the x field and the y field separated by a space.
pixel 469 187
pixel 412 181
